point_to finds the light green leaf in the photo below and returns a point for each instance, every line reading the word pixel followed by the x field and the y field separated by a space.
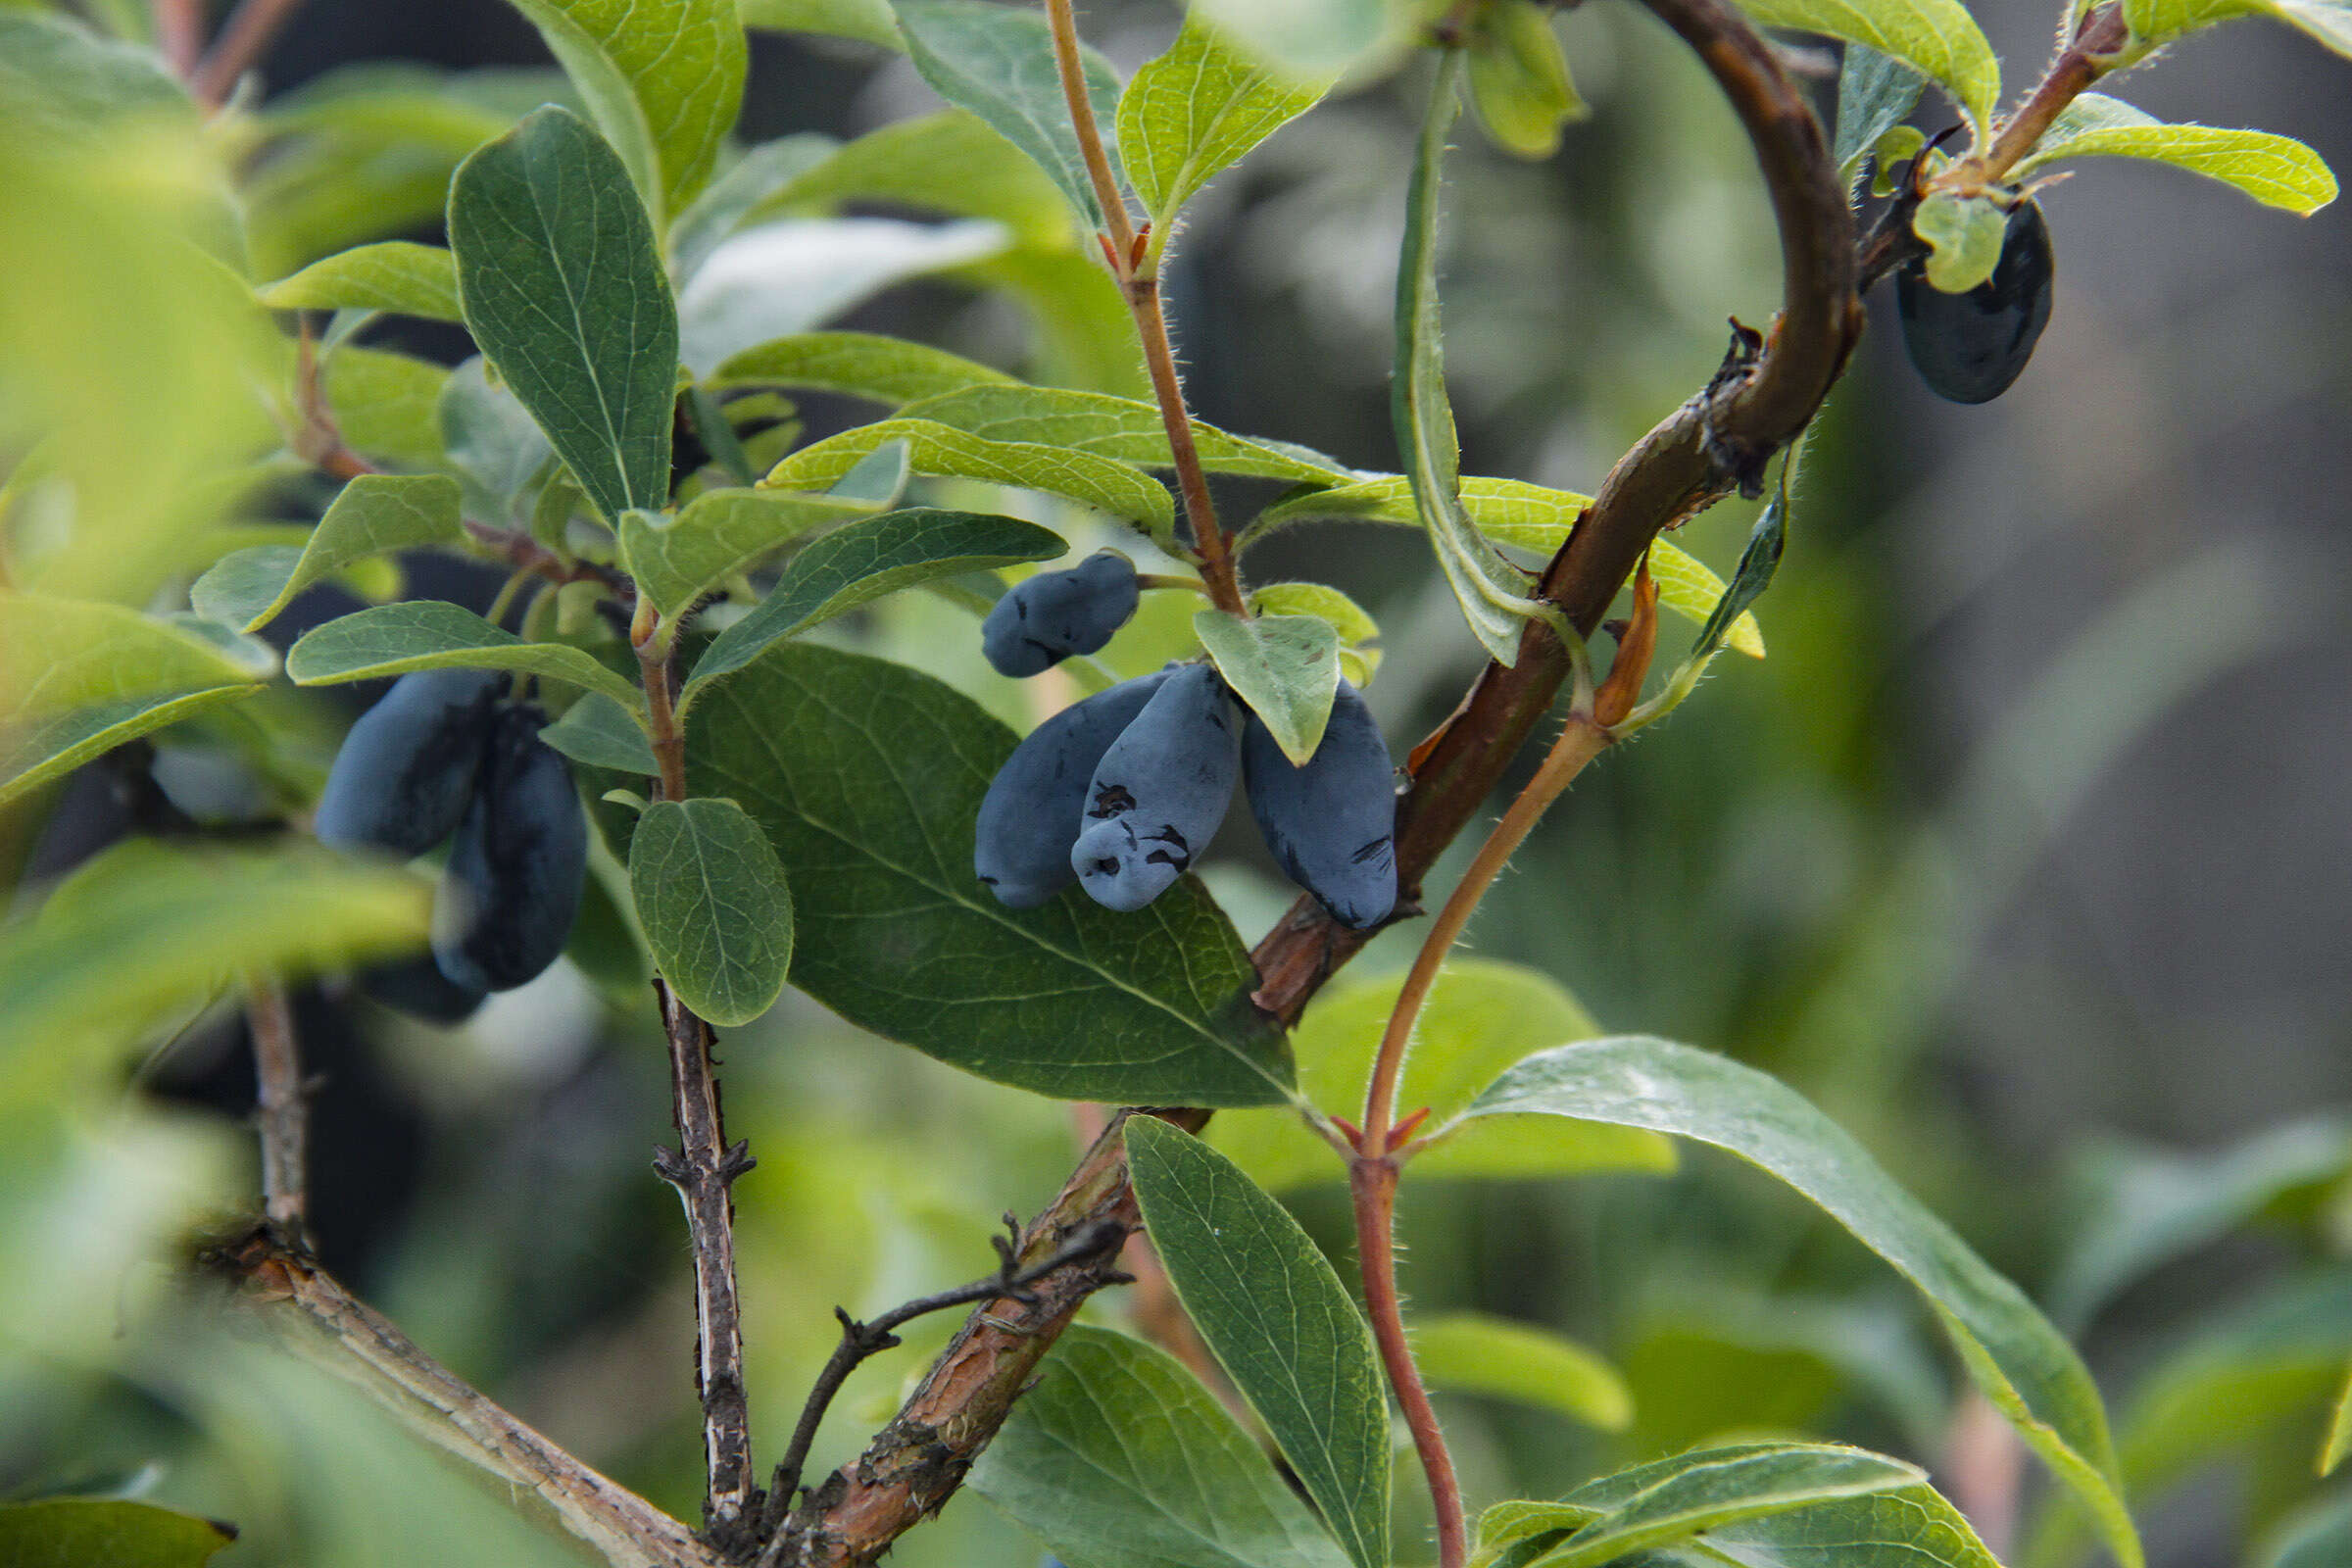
pixel 431 634
pixel 1279 1321
pixel 997 62
pixel 393 275
pixel 2276 171
pixel 2031 1374
pixel 1119 1459
pixel 2141 1207
pixel 82 1532
pixel 56 655
pixel 867 21
pixel 1875 92
pixel 374 514
pixel 2159 21
pixel 715 908
pixel 754 177
pixel 59 81
pixel 1689 586
pixel 33 751
pixel 566 295
pixel 492 441
pixel 866 776
pixel 1480 1017
pixel 1195 111
pixel 675 560
pixel 1476 1353
pixel 863 364
pixel 2337 1443
pixel 387 405
pixel 950 162
pixel 1285 668
pixel 1125 429
pixel 1670 1500
pixel 1909 1527
pixel 1491 592
pixel 1117 488
pixel 1518 77
pixel 864 560
pixel 1310 39
pixel 663 80
pixel 1358 631
pixel 600 732
pixel 1938 38
pixel 1964 235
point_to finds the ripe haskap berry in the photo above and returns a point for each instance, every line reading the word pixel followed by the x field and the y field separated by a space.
pixel 407 768
pixel 1330 825
pixel 1044 619
pixel 1969 347
pixel 1159 792
pixel 420 989
pixel 513 883
pixel 1030 818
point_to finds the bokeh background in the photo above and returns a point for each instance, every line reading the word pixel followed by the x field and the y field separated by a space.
pixel 2028 851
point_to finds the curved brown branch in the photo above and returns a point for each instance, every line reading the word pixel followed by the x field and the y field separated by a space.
pixel 1716 442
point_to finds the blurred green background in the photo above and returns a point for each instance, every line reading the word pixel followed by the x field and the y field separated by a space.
pixel 2026 852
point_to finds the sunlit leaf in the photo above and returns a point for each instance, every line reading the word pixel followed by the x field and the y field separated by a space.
pixel 2276 171
pixel 1518 78
pixel 395 275
pixel 1964 236
pixel 2158 22
pixel 1285 668
pixel 1125 429
pixel 715 906
pixel 431 634
pixel 889 370
pixel 1195 111
pixel 1117 488
pixel 62 654
pixel 867 21
pixel 1938 38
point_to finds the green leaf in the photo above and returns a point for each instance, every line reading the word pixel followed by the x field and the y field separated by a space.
pixel 1938 38
pixel 565 294
pixel 1476 1353
pixel 1355 629
pixel 1194 112
pixel 2159 21
pixel 1519 81
pixel 715 536
pixel 387 405
pixel 82 1532
pixel 2316 1537
pixel 1280 1322
pixel 1689 586
pixel 2031 1374
pixel 2144 1207
pixel 56 655
pixel 663 80
pixel 997 62
pixel 867 21
pixel 395 275
pixel 1480 1017
pixel 1117 488
pixel 2276 171
pixel 1285 668
pixel 491 440
pixel 877 480
pixel 1125 429
pixel 1670 1500
pixel 861 364
pixel 59 80
pixel 1119 1459
pixel 35 752
pixel 864 560
pixel 717 910
pixel 1310 39
pixel 602 733
pixel 754 177
pixel 1875 92
pixel 866 776
pixel 1964 235
pixel 1491 592
pixel 950 163
pixel 2337 1443
pixel 1758 563
pixel 431 634
pixel 375 513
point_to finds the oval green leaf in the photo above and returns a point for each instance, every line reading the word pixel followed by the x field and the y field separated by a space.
pixel 1285 668
pixel 375 513
pixel 1194 112
pixel 675 560
pixel 889 370
pixel 37 751
pixel 600 732
pixel 1280 1322
pixel 2276 171
pixel 399 276
pixel 1938 38
pixel 1671 1501
pixel 715 906
pixel 1127 429
pixel 431 634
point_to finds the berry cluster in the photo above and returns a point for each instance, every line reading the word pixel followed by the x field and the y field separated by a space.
pixel 442 755
pixel 1119 792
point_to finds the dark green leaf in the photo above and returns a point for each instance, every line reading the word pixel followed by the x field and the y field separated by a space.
pixel 600 732
pixel 1875 92
pixel 1195 112
pixel 1282 1325
pixel 863 364
pixel 491 440
pixel 866 777
pixel 675 560
pixel 864 560
pixel 1119 1459
pixel 2021 1363
pixel 395 275
pixel 1476 1353
pixel 431 634
pixel 712 901
pixel 87 1531
pixel 1757 564
pixel 1285 668
pixel 997 62
pixel 375 513
pixel 564 293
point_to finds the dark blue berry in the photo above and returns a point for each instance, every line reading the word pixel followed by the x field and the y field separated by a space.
pixel 407 768
pixel 1045 618
pixel 1330 825
pixel 513 883
pixel 1969 347
pixel 1029 816
pixel 1159 792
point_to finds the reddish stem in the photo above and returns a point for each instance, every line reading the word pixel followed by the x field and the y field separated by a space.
pixel 1373 1184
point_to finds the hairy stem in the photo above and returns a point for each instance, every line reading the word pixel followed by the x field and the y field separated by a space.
pixel 1373 1185
pixel 630 1532
pixel 246 36
pixel 2102 33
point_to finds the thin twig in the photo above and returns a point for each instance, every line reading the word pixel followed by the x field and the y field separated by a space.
pixel 281 1110
pixel 630 1532
pixel 247 36
pixel 180 34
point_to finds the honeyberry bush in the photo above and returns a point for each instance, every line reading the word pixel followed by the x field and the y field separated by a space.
pixel 725 728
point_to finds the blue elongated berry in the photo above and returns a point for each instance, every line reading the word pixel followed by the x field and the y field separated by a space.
pixel 1029 816
pixel 1332 824
pixel 1044 619
pixel 1969 347
pixel 407 768
pixel 513 883
pixel 1158 794
pixel 418 987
